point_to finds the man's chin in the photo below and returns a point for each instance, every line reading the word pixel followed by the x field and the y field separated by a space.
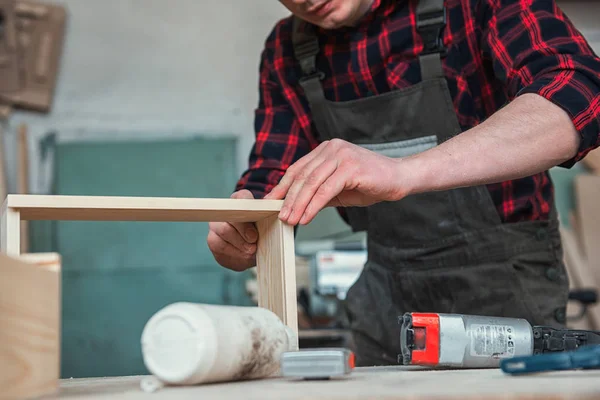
pixel 331 23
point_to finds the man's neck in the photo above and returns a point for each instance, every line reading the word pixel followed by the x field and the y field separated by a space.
pixel 361 13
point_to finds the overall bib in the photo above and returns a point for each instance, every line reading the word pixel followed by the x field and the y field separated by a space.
pixel 443 252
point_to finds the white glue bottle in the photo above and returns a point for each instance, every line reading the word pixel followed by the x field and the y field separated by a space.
pixel 189 344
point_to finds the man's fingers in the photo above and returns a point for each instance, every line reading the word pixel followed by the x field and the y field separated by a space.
pixel 324 195
pixel 230 234
pixel 246 230
pixel 281 189
pixel 228 255
pixel 242 194
pixel 304 190
pixel 289 205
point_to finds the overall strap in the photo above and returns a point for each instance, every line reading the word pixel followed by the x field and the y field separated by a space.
pixel 306 48
pixel 431 21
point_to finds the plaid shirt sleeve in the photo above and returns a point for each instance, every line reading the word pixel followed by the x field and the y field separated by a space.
pixel 536 49
pixel 281 138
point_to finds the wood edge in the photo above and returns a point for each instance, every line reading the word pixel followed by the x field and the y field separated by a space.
pixel 30 206
pixel 23 201
pixel 280 237
pixel 50 261
pixel 289 274
pixel 5 203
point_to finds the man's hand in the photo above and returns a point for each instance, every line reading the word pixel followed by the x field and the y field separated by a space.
pixel 234 244
pixel 337 173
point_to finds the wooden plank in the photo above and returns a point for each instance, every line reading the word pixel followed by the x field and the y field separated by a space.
pixel 30 306
pixel 106 208
pixel 23 181
pixel 580 277
pixel 587 192
pixel 276 270
pixel 3 185
pixel 592 161
pixel 11 227
pixel 383 383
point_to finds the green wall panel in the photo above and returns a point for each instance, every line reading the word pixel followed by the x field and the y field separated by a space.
pixel 117 274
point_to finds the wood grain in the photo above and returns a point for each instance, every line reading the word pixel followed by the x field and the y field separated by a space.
pixel 29 325
pixel 3 184
pixel 587 193
pixel 580 277
pixel 592 161
pixel 23 181
pixel 392 382
pixel 276 270
pixel 107 208
pixel 11 228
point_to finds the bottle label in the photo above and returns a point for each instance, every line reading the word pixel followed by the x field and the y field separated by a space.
pixel 492 341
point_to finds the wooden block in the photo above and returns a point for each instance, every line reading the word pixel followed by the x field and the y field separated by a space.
pixel 11 230
pixel 580 277
pixel 23 175
pixel 3 186
pixel 587 193
pixel 592 161
pixel 275 261
pixel 275 253
pixel 30 300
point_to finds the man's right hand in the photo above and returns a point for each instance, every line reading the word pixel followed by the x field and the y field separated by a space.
pixel 234 244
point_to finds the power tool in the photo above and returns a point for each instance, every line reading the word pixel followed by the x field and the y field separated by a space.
pixel 471 341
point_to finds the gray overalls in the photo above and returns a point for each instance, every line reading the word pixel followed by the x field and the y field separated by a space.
pixel 444 252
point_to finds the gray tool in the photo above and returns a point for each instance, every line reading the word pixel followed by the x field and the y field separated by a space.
pixel 321 363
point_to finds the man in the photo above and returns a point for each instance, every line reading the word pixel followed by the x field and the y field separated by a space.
pixel 431 125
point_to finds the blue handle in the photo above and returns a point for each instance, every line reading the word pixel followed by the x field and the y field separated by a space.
pixel 586 357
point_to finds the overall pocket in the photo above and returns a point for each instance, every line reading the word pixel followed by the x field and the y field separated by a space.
pixel 544 284
pixel 491 289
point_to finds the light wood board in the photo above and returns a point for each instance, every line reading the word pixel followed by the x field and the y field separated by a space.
pixel 23 181
pixel 587 193
pixel 592 161
pixel 364 383
pixel 115 208
pixel 30 305
pixel 580 277
pixel 276 272
pixel 3 180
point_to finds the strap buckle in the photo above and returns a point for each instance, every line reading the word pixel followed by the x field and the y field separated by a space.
pixel 306 53
pixel 316 74
pixel 430 26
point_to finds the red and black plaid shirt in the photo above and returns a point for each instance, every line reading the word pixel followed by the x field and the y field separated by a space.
pixel 497 49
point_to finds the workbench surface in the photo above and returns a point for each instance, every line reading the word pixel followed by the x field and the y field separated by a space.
pixel 364 383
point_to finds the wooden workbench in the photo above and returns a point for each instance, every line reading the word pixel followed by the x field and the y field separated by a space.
pixel 364 383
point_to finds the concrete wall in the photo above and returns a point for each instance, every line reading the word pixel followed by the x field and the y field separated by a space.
pixel 156 67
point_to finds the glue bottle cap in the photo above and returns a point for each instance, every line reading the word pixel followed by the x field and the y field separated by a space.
pixel 179 344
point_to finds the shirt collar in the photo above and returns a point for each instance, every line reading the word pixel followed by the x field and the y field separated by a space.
pixel 370 13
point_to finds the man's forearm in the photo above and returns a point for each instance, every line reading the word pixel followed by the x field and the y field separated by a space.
pixel 526 137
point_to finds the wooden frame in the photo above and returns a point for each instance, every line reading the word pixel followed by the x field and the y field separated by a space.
pixel 275 255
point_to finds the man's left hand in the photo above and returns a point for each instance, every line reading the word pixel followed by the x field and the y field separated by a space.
pixel 337 173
